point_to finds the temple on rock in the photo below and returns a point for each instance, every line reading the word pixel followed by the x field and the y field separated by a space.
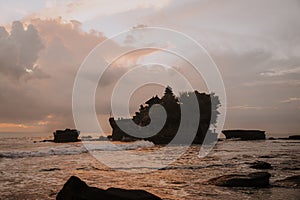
pixel 207 103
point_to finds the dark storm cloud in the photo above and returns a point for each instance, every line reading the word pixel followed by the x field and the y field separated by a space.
pixel 19 49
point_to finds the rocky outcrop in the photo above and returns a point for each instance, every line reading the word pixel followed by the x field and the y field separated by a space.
pixel 50 169
pixel 76 189
pixel 257 179
pixel 199 129
pixel 290 182
pixel 245 134
pixel 260 165
pixel 294 137
pixel 67 135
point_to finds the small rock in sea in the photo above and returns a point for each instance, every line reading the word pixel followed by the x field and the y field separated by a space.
pixel 292 181
pixel 267 156
pixel 49 170
pixel 102 138
pixel 291 168
pixel 47 141
pixel 257 179
pixel 67 135
pixel 245 134
pixel 261 165
pixel 75 188
pixel 294 137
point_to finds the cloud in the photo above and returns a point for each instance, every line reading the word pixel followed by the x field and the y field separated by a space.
pixel 87 10
pixel 255 45
pixel 272 83
pixel 247 107
pixel 43 78
pixel 37 69
pixel 19 50
pixel 281 72
pixel 290 100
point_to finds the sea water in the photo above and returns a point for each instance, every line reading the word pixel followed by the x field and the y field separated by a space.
pixel 30 169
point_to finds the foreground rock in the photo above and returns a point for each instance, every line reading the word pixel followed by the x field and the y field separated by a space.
pixel 76 189
pixel 67 135
pixel 293 181
pixel 260 165
pixel 245 134
pixel 257 179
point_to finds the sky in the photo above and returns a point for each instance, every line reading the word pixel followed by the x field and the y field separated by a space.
pixel 255 44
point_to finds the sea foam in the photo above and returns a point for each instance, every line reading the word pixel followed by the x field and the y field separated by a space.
pixel 73 149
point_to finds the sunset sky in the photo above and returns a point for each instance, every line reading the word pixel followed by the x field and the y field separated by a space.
pixel 255 44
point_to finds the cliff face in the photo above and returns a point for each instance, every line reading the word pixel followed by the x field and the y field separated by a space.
pixel 208 104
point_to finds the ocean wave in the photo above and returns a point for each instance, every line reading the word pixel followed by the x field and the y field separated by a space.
pixel 107 146
pixel 71 149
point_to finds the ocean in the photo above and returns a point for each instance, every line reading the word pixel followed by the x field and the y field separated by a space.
pixel 31 169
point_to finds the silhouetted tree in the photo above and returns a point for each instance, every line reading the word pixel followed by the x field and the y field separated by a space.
pixel 208 107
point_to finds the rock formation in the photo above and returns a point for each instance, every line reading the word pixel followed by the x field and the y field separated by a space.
pixel 76 189
pixel 294 137
pixel 67 135
pixel 245 134
pixel 260 165
pixel 290 182
pixel 257 179
pixel 208 105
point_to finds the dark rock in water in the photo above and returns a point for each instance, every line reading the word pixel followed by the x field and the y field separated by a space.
pixel 293 181
pixel 257 179
pixel 88 137
pixel 102 138
pixel 76 189
pixel 294 137
pixel 267 156
pixel 47 141
pixel 50 169
pixel 68 135
pixel 261 165
pixel 245 134
pixel 123 194
pixel 291 168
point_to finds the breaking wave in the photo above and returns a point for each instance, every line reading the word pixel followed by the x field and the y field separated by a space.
pixel 74 149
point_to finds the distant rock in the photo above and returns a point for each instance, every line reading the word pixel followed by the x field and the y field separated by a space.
pixel 245 134
pixel 45 141
pixel 294 137
pixel 261 165
pixel 291 168
pixel 67 135
pixel 257 179
pixel 88 137
pixel 76 189
pixel 50 169
pixel 102 138
pixel 267 156
pixel 293 181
